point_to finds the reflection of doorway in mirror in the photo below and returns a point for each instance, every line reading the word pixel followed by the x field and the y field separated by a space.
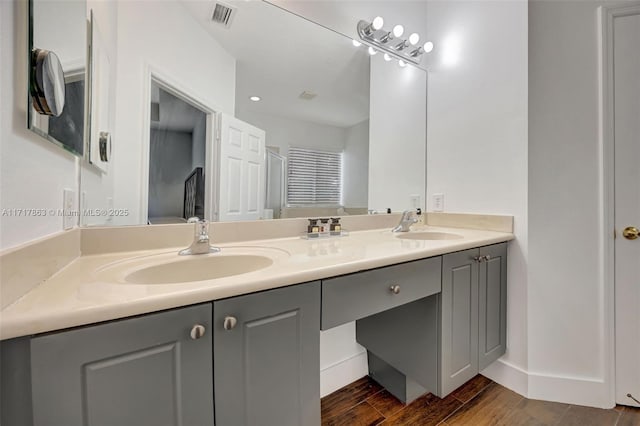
pixel 177 158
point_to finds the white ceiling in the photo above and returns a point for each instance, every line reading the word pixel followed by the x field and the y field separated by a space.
pixel 280 55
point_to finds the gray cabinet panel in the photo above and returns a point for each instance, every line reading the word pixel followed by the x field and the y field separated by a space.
pixel 15 382
pixel 406 338
pixel 140 371
pixel 459 339
pixel 351 297
pixel 267 365
pixel 492 304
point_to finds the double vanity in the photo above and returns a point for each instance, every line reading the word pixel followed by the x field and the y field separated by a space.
pixel 233 338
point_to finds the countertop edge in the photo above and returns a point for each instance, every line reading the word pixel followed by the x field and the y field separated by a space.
pixel 19 326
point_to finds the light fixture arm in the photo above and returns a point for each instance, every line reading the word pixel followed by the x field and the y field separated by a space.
pixel 381 39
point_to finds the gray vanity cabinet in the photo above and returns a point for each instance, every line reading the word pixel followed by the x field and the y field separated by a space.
pixel 473 313
pixel 151 370
pixel 492 306
pixel 266 358
pixel 459 327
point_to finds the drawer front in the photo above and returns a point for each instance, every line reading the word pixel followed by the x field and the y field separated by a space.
pixel 350 297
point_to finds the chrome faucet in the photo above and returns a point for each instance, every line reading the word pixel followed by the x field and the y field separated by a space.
pixel 200 244
pixel 409 217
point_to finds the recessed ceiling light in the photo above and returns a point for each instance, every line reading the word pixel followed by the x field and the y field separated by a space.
pixel 255 98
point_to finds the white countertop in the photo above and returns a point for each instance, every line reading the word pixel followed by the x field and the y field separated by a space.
pixel 83 293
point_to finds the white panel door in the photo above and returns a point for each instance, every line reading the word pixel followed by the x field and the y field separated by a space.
pixel 626 64
pixel 242 170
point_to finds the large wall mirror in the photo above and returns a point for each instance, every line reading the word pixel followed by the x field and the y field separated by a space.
pixel 58 69
pixel 243 111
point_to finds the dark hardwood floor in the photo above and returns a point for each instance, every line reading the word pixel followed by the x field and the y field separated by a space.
pixel 479 402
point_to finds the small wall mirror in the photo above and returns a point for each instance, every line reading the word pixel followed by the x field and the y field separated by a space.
pixel 58 63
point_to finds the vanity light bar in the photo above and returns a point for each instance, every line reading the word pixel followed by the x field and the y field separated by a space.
pixel 406 50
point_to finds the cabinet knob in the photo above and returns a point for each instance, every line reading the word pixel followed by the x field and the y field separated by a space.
pixel 480 259
pixel 395 289
pixel 197 331
pixel 229 323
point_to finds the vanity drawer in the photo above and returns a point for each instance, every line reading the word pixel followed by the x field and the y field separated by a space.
pixel 350 297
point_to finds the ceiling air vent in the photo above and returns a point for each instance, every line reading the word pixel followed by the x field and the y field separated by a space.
pixel 307 96
pixel 223 14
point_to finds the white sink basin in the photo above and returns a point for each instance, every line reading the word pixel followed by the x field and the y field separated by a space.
pixel 169 268
pixel 198 268
pixel 429 235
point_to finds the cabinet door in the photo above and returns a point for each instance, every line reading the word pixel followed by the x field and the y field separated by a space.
pixel 144 371
pixel 459 328
pixel 266 358
pixel 492 309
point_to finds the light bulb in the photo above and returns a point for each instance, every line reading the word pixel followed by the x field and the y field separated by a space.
pixel 414 39
pixel 402 63
pixel 255 98
pixel 371 51
pixel 377 23
pixel 428 46
pixel 398 30
pixel 387 57
pixel 356 43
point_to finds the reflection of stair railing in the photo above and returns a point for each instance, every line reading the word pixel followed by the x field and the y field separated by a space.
pixel 194 194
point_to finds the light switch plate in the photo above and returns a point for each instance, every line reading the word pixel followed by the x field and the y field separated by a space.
pixel 438 202
pixel 68 212
pixel 415 201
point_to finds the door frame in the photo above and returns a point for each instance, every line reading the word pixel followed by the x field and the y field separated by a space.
pixel 267 153
pixel 212 135
pixel 606 16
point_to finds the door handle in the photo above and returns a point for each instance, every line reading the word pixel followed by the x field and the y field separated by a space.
pixel 631 233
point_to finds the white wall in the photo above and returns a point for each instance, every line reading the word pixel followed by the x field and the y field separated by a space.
pixel 356 165
pixel 397 148
pixel 162 36
pixel 568 353
pixel 97 186
pixel 285 132
pixel 33 171
pixel 477 136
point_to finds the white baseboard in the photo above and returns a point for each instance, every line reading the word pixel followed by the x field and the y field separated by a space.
pixel 509 376
pixel 343 372
pixel 570 390
pixel 565 389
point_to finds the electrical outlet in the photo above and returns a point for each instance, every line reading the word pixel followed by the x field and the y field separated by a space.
pixel 438 202
pixel 68 212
